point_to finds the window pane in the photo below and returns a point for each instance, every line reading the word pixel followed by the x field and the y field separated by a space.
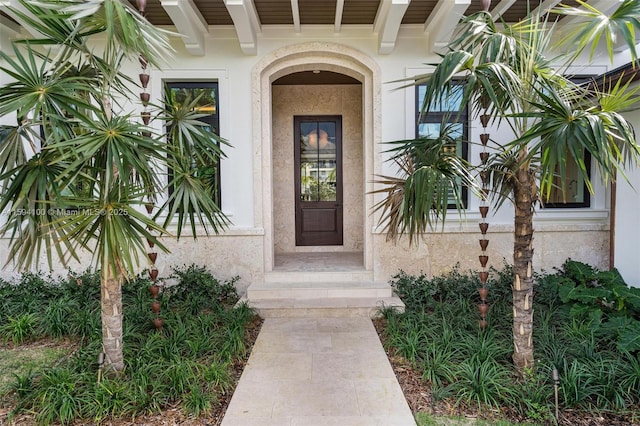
pixel 207 171
pixel 432 130
pixel 452 103
pixel 318 161
pixel 206 103
pixel 574 194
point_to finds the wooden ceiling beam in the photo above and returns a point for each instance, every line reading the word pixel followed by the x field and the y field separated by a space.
pixel 247 24
pixel 190 24
pixel 545 7
pixel 8 27
pixel 387 23
pixel 443 21
pixel 501 8
pixel 338 21
pixel 295 11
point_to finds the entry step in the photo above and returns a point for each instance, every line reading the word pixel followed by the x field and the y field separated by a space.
pixel 320 289
pixel 318 276
pixel 369 307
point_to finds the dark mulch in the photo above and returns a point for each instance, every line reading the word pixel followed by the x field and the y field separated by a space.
pixel 171 416
pixel 418 395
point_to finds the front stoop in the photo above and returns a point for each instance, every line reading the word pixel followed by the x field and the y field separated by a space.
pixel 315 298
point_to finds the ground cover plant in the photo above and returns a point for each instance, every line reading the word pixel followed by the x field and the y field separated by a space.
pixel 189 364
pixel 585 322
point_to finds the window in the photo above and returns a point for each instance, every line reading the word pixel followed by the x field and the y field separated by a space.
pixel 207 104
pixel 449 112
pixel 576 194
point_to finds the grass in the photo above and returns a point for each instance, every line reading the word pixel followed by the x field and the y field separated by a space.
pixel 426 419
pixel 28 359
pixel 583 326
pixel 190 364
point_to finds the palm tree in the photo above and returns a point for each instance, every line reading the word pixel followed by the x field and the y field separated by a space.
pixel 510 74
pixel 77 168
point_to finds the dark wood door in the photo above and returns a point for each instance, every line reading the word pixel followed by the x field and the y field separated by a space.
pixel 318 180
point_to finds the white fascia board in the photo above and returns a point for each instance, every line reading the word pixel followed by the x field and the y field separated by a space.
pixel 190 24
pixel 246 22
pixel 443 21
pixel 387 24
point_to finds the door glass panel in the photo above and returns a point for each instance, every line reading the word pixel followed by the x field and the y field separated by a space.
pixel 317 161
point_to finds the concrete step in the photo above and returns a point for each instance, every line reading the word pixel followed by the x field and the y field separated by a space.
pixel 368 307
pixel 317 290
pixel 318 276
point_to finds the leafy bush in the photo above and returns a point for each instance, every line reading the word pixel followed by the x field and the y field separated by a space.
pixel 198 290
pixel 422 292
pixel 600 299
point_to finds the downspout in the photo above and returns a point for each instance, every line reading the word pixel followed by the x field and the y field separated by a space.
pixel 612 223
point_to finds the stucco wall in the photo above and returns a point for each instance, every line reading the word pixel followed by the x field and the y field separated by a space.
pixel 438 253
pixel 344 100
pixel 627 231
pixel 226 256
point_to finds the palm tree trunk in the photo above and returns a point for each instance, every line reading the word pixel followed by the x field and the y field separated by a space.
pixel 111 301
pixel 525 195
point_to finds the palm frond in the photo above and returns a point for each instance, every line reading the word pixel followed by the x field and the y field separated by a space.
pixel 113 227
pixel 596 25
pixel 29 200
pixel 69 22
pixel 192 146
pixel 567 127
pixel 117 148
pixel 37 91
pixel 190 137
pixel 13 143
pixel 190 200
pixel 430 182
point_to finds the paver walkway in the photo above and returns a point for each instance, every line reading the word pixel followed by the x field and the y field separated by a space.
pixel 318 371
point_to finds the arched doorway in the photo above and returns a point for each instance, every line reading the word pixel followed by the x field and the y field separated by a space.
pixel 274 204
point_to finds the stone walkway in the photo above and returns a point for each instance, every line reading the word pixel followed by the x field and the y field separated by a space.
pixel 318 371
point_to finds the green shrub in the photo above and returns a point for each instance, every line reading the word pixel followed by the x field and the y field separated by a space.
pixel 198 290
pixel 189 363
pixel 600 299
pixel 421 292
pixel 59 397
pixel 197 402
pixel 482 384
pixel 19 328
pixel 585 326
